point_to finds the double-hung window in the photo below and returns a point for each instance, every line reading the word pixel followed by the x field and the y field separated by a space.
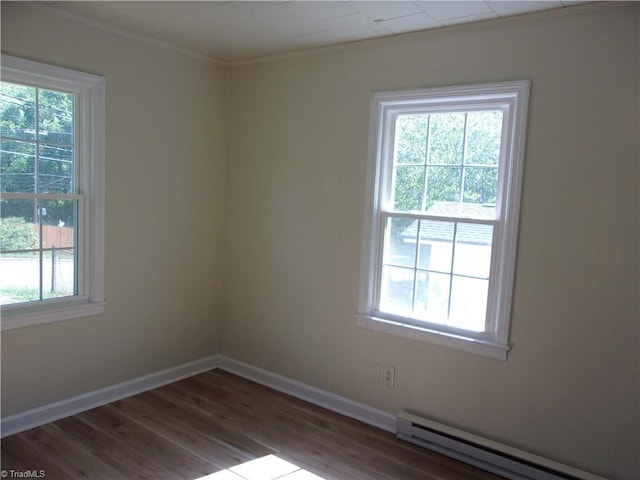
pixel 443 200
pixel 52 193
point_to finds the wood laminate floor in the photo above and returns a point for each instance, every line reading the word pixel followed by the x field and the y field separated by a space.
pixel 219 426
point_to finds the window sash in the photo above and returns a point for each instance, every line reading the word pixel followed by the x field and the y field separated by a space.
pixel 78 245
pixel 387 141
pixel 38 143
pixel 384 217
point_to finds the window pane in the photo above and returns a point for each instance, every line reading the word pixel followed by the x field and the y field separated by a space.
pixel 484 132
pixel 436 246
pixel 55 117
pixel 58 273
pixel 55 172
pixel 446 136
pixel 411 139
pixel 19 277
pixel 400 243
pixel 468 303
pixel 443 184
pixel 396 292
pixel 408 188
pixel 480 185
pixel 473 250
pixel 17 111
pixel 58 223
pixel 17 228
pixel 17 167
pixel 432 297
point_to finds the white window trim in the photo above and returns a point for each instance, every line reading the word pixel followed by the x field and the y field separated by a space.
pixel 514 97
pixel 90 131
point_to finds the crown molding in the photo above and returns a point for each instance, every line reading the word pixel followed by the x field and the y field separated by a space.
pixel 423 35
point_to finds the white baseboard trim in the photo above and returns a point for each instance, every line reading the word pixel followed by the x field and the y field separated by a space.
pixel 55 411
pixel 28 419
pixel 316 396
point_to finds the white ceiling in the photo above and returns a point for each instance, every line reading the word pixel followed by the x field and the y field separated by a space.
pixel 237 31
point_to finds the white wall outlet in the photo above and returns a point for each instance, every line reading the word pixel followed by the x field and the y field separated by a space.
pixel 388 375
pixel 373 372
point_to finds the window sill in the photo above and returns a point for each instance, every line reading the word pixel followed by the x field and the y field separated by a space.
pixel 19 316
pixel 466 344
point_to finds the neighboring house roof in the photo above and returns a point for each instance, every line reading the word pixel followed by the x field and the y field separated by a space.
pixel 463 210
pixel 442 231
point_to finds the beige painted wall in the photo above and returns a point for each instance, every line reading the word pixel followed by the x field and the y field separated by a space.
pixel 295 195
pixel 164 190
pixel 297 137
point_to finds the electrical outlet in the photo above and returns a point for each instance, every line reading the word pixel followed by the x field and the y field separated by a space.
pixel 373 372
pixel 388 375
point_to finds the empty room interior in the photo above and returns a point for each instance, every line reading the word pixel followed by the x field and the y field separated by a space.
pixel 243 249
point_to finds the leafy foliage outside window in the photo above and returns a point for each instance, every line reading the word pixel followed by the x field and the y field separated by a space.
pixel 17 234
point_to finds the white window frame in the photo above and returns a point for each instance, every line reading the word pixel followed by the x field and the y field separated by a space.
pixel 512 99
pixel 89 93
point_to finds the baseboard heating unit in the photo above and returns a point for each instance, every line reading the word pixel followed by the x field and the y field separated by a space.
pixel 492 456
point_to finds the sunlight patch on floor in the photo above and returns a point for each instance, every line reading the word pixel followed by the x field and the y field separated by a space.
pixel 264 468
